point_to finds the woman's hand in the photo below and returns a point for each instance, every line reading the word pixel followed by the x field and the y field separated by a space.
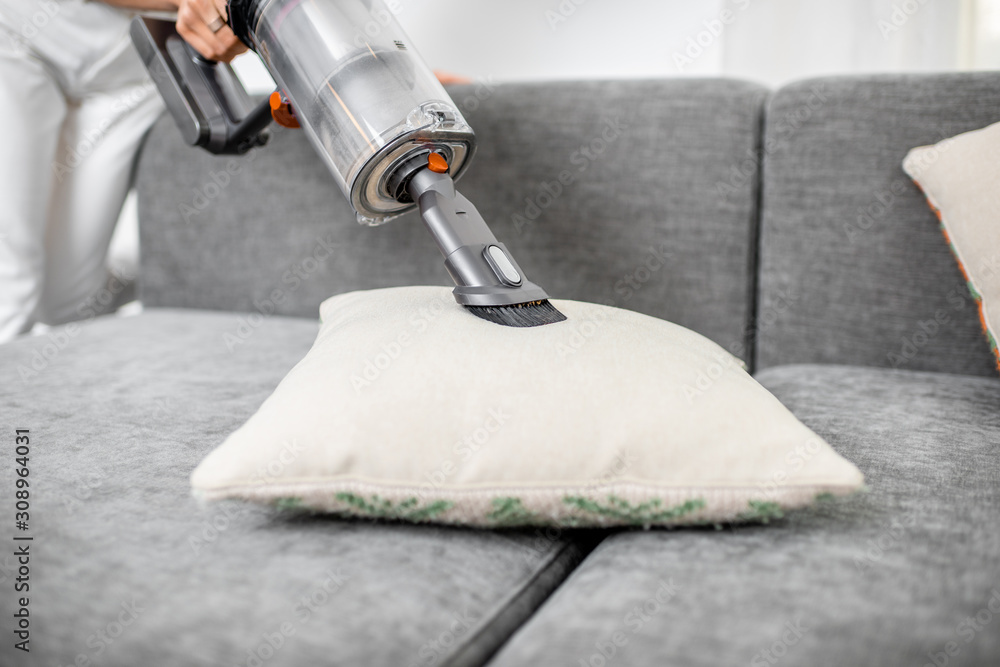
pixel 202 24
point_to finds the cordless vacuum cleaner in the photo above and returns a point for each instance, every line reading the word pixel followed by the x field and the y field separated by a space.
pixel 389 133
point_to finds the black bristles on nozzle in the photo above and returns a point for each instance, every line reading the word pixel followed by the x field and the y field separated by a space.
pixel 532 314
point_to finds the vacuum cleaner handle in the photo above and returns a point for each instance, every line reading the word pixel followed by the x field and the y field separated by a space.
pixel 206 99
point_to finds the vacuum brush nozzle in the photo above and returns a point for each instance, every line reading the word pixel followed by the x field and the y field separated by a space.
pixel 533 314
pixel 489 283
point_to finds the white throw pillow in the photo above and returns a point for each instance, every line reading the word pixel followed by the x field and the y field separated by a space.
pixel 960 177
pixel 408 407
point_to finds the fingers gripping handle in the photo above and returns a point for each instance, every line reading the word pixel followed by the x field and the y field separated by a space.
pixel 205 98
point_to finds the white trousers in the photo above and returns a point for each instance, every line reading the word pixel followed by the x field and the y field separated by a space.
pixel 75 103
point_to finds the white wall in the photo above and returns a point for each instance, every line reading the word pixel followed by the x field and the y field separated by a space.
pixel 525 40
pixel 982 51
pixel 558 39
pixel 776 41
pixel 771 41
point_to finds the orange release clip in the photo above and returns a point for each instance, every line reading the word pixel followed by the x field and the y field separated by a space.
pixel 437 163
pixel 281 111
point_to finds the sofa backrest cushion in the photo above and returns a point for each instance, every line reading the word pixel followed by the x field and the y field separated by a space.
pixel 854 267
pixel 604 191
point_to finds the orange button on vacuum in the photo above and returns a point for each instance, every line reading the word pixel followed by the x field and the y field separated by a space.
pixel 437 163
pixel 282 112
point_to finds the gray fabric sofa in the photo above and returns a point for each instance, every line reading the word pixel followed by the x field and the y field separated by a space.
pixel 791 237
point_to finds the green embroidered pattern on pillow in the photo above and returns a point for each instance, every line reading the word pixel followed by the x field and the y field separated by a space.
pixel 762 512
pixel 290 504
pixel 405 510
pixel 509 511
pixel 512 512
pixel 640 515
pixel 380 508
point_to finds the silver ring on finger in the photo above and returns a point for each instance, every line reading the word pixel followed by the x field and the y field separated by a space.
pixel 217 24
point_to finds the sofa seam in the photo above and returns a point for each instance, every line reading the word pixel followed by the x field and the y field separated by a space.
pixel 756 228
pixel 583 547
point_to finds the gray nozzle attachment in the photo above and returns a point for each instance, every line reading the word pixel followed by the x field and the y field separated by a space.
pixel 482 267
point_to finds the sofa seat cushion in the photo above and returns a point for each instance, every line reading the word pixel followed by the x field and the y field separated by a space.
pixel 888 578
pixel 127 569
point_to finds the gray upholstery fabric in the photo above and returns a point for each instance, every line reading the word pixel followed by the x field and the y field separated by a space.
pixel 660 151
pixel 122 411
pixel 852 258
pixel 883 578
pixel 119 416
